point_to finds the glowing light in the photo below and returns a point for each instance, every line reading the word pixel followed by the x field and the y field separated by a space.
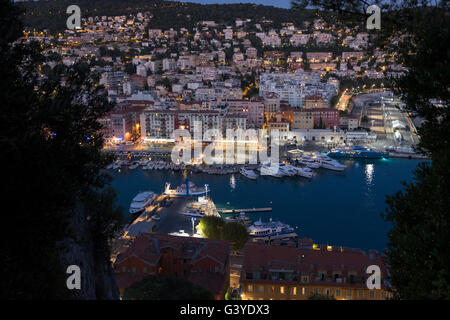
pixel 369 173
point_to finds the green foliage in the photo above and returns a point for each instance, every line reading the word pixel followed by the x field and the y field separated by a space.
pixel 211 227
pixel 166 288
pixel 236 233
pixel 215 228
pixel 51 142
pixel 166 14
pixel 418 252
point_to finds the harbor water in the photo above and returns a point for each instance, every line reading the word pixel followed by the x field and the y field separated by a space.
pixel 335 208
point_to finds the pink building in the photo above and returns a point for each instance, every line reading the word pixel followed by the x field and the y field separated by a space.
pixel 325 116
pixel 253 109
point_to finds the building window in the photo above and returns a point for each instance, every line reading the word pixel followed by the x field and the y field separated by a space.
pixel 349 294
pixel 294 291
pixel 124 269
pixel 250 288
pixel 134 269
pixel 372 294
pixel 337 292
pixel 282 290
pixel 360 293
pixel 144 270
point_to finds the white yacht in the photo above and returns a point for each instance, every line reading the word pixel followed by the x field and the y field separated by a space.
pixel 309 162
pixel 270 230
pixel 141 201
pixel 193 213
pixel 182 191
pixel 248 173
pixel 328 163
pixel 304 172
pixel 287 170
pixel 133 166
pixel 268 170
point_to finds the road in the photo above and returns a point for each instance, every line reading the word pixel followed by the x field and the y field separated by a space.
pixel 381 110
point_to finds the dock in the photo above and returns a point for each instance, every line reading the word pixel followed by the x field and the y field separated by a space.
pixel 229 211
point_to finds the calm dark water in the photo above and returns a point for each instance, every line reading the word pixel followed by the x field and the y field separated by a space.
pixel 338 208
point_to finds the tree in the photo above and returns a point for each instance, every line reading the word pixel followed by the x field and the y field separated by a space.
pixel 236 233
pixel 215 228
pixel 50 138
pixel 418 255
pixel 211 227
pixel 166 288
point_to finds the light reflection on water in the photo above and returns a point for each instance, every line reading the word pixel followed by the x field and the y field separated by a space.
pixel 369 173
pixel 341 208
pixel 232 182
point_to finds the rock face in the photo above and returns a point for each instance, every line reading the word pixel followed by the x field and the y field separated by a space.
pixel 79 248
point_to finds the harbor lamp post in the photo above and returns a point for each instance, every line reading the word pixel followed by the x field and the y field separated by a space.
pixel 193 226
pixel 206 190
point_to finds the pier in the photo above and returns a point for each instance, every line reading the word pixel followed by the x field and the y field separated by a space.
pixel 228 211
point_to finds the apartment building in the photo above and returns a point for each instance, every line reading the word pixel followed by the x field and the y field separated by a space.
pixel 204 262
pixel 303 119
pixel 295 273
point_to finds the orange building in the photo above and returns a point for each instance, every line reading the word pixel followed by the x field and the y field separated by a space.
pixel 295 273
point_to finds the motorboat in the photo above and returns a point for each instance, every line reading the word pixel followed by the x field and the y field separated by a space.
pixel 328 163
pixel 187 189
pixel 270 231
pixel 250 174
pixel 141 201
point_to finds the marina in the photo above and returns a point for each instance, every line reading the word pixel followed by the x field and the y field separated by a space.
pixel 351 216
pixel 232 211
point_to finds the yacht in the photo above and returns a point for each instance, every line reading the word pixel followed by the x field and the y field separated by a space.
pixel 134 166
pixel 287 170
pixel 248 173
pixel 193 213
pixel 241 218
pixel 270 230
pixel 357 152
pixel 304 172
pixel 141 201
pixel 328 163
pixel 268 170
pixel 182 191
pixel 309 162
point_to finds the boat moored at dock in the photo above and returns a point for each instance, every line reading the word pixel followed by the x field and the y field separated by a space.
pixel 141 201
pixel 328 163
pixel 357 152
pixel 187 189
pixel 270 231
pixel 250 174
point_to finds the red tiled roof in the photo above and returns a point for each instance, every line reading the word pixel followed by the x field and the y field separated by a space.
pixel 147 247
pixel 307 260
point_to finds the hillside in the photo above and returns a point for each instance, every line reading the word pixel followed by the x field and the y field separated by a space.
pixel 167 14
